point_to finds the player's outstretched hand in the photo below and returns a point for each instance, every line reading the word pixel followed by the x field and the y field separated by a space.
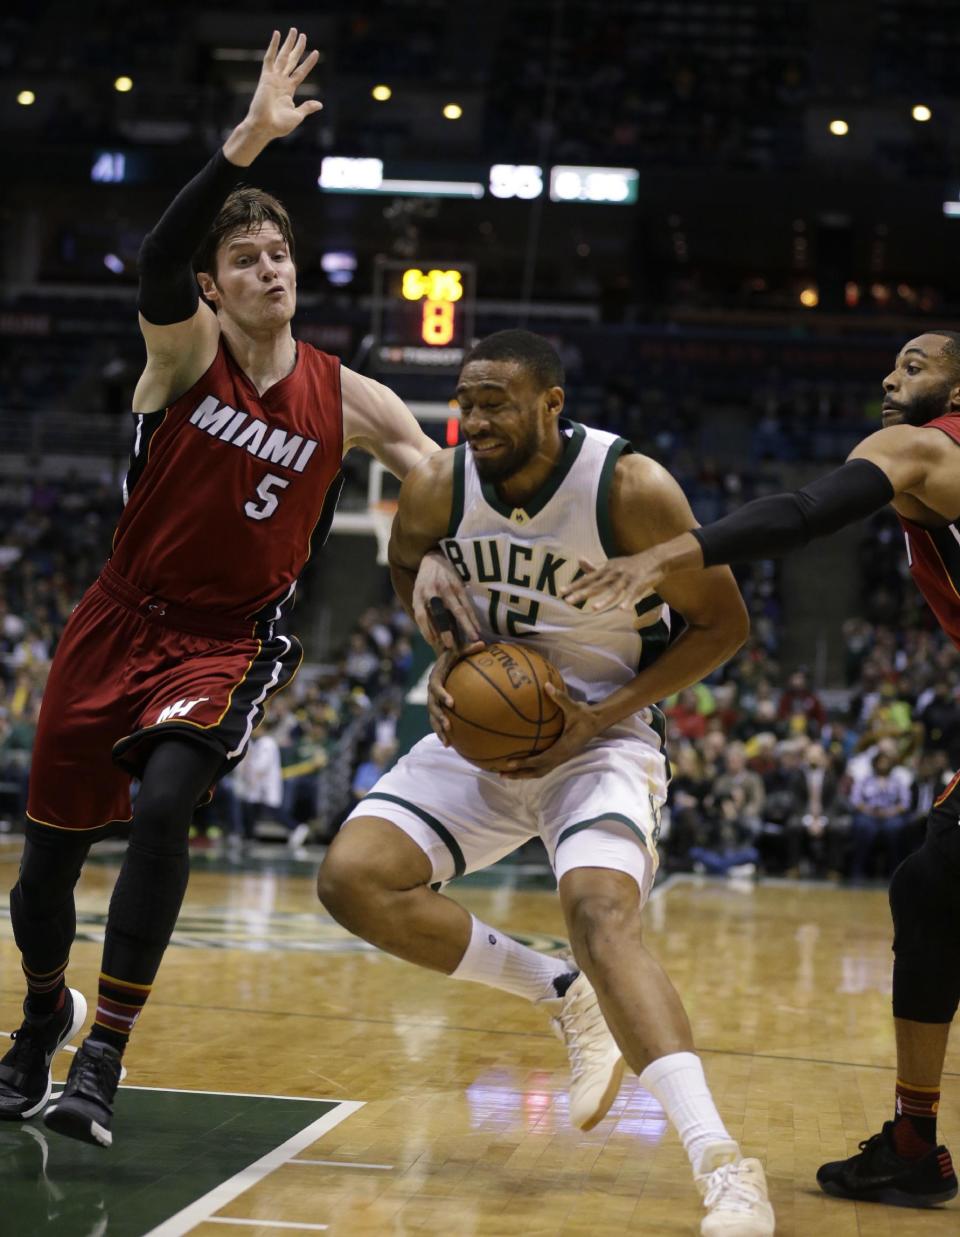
pixel 620 582
pixel 437 578
pixel 272 112
pixel 439 699
pixel 580 724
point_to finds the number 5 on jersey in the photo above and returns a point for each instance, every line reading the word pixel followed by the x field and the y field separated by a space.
pixel 269 500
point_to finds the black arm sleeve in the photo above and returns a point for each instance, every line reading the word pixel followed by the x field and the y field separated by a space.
pixel 770 527
pixel 168 287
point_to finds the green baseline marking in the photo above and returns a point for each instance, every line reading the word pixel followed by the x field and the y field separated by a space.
pixel 177 1153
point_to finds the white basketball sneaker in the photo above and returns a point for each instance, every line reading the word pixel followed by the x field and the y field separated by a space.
pixel 596 1064
pixel 735 1196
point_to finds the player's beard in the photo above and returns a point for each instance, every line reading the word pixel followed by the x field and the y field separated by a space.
pixel 925 407
pixel 511 461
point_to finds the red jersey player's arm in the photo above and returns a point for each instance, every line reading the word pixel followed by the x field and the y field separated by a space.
pixel 378 421
pixel 917 461
pixel 647 508
pixel 180 331
pixel 897 460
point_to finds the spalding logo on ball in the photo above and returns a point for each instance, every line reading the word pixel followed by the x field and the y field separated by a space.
pixel 501 710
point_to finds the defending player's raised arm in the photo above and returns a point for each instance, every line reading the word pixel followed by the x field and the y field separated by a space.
pixel 376 420
pixel 180 331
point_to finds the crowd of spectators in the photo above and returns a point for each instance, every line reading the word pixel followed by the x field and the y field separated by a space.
pixel 772 776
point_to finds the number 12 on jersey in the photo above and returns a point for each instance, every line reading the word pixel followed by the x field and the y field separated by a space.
pixel 511 619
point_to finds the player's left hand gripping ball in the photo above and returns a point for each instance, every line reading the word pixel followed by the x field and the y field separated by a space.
pixel 436 578
pixel 580 725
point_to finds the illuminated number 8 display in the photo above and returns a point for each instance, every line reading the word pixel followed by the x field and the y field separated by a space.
pixel 438 324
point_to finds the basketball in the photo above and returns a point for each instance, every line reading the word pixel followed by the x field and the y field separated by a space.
pixel 501 708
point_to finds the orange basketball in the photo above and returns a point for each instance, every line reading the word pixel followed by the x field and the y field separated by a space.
pixel 500 709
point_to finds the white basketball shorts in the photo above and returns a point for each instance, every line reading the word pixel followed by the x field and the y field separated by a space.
pixel 600 809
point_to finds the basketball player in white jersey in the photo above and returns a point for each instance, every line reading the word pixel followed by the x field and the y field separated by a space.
pixel 514 510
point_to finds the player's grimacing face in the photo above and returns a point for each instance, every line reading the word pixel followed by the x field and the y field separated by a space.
pixel 503 416
pixel 256 280
pixel 919 386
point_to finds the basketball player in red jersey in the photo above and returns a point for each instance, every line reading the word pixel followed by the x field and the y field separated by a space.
pixel 913 463
pixel 166 666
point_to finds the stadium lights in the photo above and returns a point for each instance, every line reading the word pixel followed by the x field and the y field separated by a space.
pixel 921 112
pixel 809 298
pixel 26 97
pixel 123 84
pixel 452 111
pixel 839 128
pixel 381 93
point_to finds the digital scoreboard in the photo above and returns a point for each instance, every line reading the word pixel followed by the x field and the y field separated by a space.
pixel 422 315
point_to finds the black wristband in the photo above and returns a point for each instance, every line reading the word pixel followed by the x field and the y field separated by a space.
pixel 770 527
pixel 168 288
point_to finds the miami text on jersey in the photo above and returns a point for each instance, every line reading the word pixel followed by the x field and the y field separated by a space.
pixel 249 433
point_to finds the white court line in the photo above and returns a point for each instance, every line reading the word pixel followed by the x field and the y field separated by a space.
pixel 266 1223
pixel 203 1208
pixel 247 1095
pixel 250 1095
pixel 344 1164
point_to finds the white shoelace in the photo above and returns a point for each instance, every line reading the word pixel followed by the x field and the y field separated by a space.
pixel 583 1033
pixel 728 1192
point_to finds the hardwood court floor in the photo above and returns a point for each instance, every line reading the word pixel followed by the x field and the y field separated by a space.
pixel 463 1128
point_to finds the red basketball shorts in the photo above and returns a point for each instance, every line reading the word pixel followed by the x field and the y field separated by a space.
pixel 125 673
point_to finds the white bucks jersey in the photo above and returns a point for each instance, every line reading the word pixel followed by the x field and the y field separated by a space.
pixel 514 563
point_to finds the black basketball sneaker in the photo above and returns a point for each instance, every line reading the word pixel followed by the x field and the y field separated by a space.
pixel 84 1108
pixel 879 1175
pixel 25 1070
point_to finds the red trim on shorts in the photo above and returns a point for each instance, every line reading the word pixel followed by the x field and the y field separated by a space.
pixel 954 781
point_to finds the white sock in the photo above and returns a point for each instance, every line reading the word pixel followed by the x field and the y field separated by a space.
pixel 678 1082
pixel 498 960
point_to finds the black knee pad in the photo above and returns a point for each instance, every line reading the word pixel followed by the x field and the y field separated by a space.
pixel 41 902
pixel 46 935
pixel 925 903
pixel 177 775
pixel 147 896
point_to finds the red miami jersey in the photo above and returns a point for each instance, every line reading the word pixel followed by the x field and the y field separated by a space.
pixel 933 554
pixel 227 488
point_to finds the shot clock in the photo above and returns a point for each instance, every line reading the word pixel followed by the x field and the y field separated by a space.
pixel 422 315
